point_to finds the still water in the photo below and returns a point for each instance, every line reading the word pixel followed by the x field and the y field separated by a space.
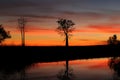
pixel 81 69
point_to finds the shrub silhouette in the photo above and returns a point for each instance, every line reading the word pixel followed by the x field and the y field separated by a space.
pixel 4 34
pixel 113 40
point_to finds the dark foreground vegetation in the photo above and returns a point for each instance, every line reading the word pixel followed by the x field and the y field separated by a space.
pixel 56 53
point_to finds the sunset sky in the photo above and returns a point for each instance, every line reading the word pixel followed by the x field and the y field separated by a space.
pixel 95 21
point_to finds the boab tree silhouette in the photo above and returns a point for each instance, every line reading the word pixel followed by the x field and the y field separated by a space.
pixel 4 34
pixel 65 28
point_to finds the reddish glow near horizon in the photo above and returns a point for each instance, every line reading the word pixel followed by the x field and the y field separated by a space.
pixel 49 37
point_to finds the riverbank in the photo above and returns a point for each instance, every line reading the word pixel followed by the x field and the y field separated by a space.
pixel 56 53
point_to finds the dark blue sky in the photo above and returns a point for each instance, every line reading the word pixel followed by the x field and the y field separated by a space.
pixel 35 8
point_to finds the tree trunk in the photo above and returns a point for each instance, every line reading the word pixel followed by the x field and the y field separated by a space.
pixel 67 44
pixel 23 36
pixel 66 40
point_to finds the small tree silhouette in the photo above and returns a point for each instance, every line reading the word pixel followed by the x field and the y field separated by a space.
pixel 65 28
pixel 113 40
pixel 4 34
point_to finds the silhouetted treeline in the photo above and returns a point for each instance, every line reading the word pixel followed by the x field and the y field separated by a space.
pixel 30 53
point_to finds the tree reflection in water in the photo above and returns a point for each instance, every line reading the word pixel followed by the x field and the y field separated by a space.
pixel 66 74
pixel 114 64
pixel 14 71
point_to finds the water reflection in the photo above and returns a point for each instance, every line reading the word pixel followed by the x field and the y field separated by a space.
pixel 65 74
pixel 81 69
pixel 114 64
pixel 13 71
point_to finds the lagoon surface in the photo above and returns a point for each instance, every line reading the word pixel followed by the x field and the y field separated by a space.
pixel 80 69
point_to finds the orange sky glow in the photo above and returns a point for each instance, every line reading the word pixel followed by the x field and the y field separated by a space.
pixel 91 35
pixel 50 37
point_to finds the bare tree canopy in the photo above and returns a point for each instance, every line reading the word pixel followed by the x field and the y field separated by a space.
pixel 4 34
pixel 65 28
